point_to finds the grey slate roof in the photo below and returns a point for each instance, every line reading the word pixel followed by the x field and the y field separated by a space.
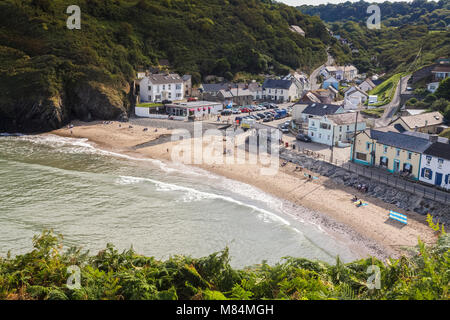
pixel 277 84
pixel 165 78
pixel 400 140
pixel 320 109
pixel 215 87
pixel 440 150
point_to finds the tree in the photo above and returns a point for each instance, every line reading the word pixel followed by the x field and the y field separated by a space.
pixel 444 89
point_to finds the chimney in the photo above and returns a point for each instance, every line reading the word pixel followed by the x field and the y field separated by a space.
pixel 434 138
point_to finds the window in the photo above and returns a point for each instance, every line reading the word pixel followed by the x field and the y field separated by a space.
pixel 440 163
pixel 329 137
pixel 178 86
pixel 149 88
pixel 407 167
pixel 397 152
pixel 409 155
pixel 170 87
pixel 325 126
pixel 385 149
pixel 429 160
pixel 149 98
pixel 312 134
pixel 164 87
pixel 340 129
pixel 427 173
pixel 368 145
pixel 361 156
pixel 320 136
pixel 348 128
pixel 178 95
pixel 313 124
pixel 384 162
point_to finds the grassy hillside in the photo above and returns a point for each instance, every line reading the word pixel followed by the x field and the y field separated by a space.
pixel 433 14
pixel 43 274
pixel 391 50
pixel 51 74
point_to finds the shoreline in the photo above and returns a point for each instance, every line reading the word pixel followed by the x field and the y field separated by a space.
pixel 366 230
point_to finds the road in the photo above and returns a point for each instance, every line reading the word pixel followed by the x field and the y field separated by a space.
pixel 392 107
pixel 315 73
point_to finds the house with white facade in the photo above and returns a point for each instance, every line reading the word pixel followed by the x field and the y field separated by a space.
pixel 160 87
pixel 433 86
pixel 334 129
pixel 435 164
pixel 280 90
pixel 354 98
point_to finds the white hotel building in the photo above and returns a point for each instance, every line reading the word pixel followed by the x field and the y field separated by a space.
pixel 160 87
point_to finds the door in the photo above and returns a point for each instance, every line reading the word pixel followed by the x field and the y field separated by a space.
pixel 396 166
pixel 438 179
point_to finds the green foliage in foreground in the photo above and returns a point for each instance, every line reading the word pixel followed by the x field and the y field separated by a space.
pixel 42 274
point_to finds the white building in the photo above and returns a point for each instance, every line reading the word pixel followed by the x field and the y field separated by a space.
pixel 435 164
pixel 433 86
pixel 332 129
pixel 160 87
pixel 280 90
pixel 354 98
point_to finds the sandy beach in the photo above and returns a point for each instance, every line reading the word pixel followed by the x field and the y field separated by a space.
pixel 367 226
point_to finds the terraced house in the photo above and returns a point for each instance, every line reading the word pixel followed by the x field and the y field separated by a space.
pixel 436 164
pixel 393 151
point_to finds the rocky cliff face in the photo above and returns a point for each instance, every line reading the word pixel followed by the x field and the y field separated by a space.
pixel 87 101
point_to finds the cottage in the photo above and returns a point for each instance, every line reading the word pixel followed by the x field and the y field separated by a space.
pixel 393 151
pixel 441 72
pixel 236 96
pixel 354 98
pixel 160 87
pixel 367 85
pixel 435 162
pixel 280 90
pixel 334 128
pixel 430 123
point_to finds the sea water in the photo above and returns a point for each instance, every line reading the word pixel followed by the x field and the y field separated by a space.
pixel 94 197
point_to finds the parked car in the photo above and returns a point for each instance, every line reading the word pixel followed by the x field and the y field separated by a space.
pixel 245 110
pixel 226 112
pixel 166 102
pixel 283 129
pixel 303 137
pixel 236 111
pixel 192 99
pixel 268 119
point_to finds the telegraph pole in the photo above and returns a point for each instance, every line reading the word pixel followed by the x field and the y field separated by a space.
pixel 354 137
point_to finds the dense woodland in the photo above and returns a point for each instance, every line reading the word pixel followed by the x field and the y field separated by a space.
pixel 433 14
pixel 86 73
pixel 43 274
